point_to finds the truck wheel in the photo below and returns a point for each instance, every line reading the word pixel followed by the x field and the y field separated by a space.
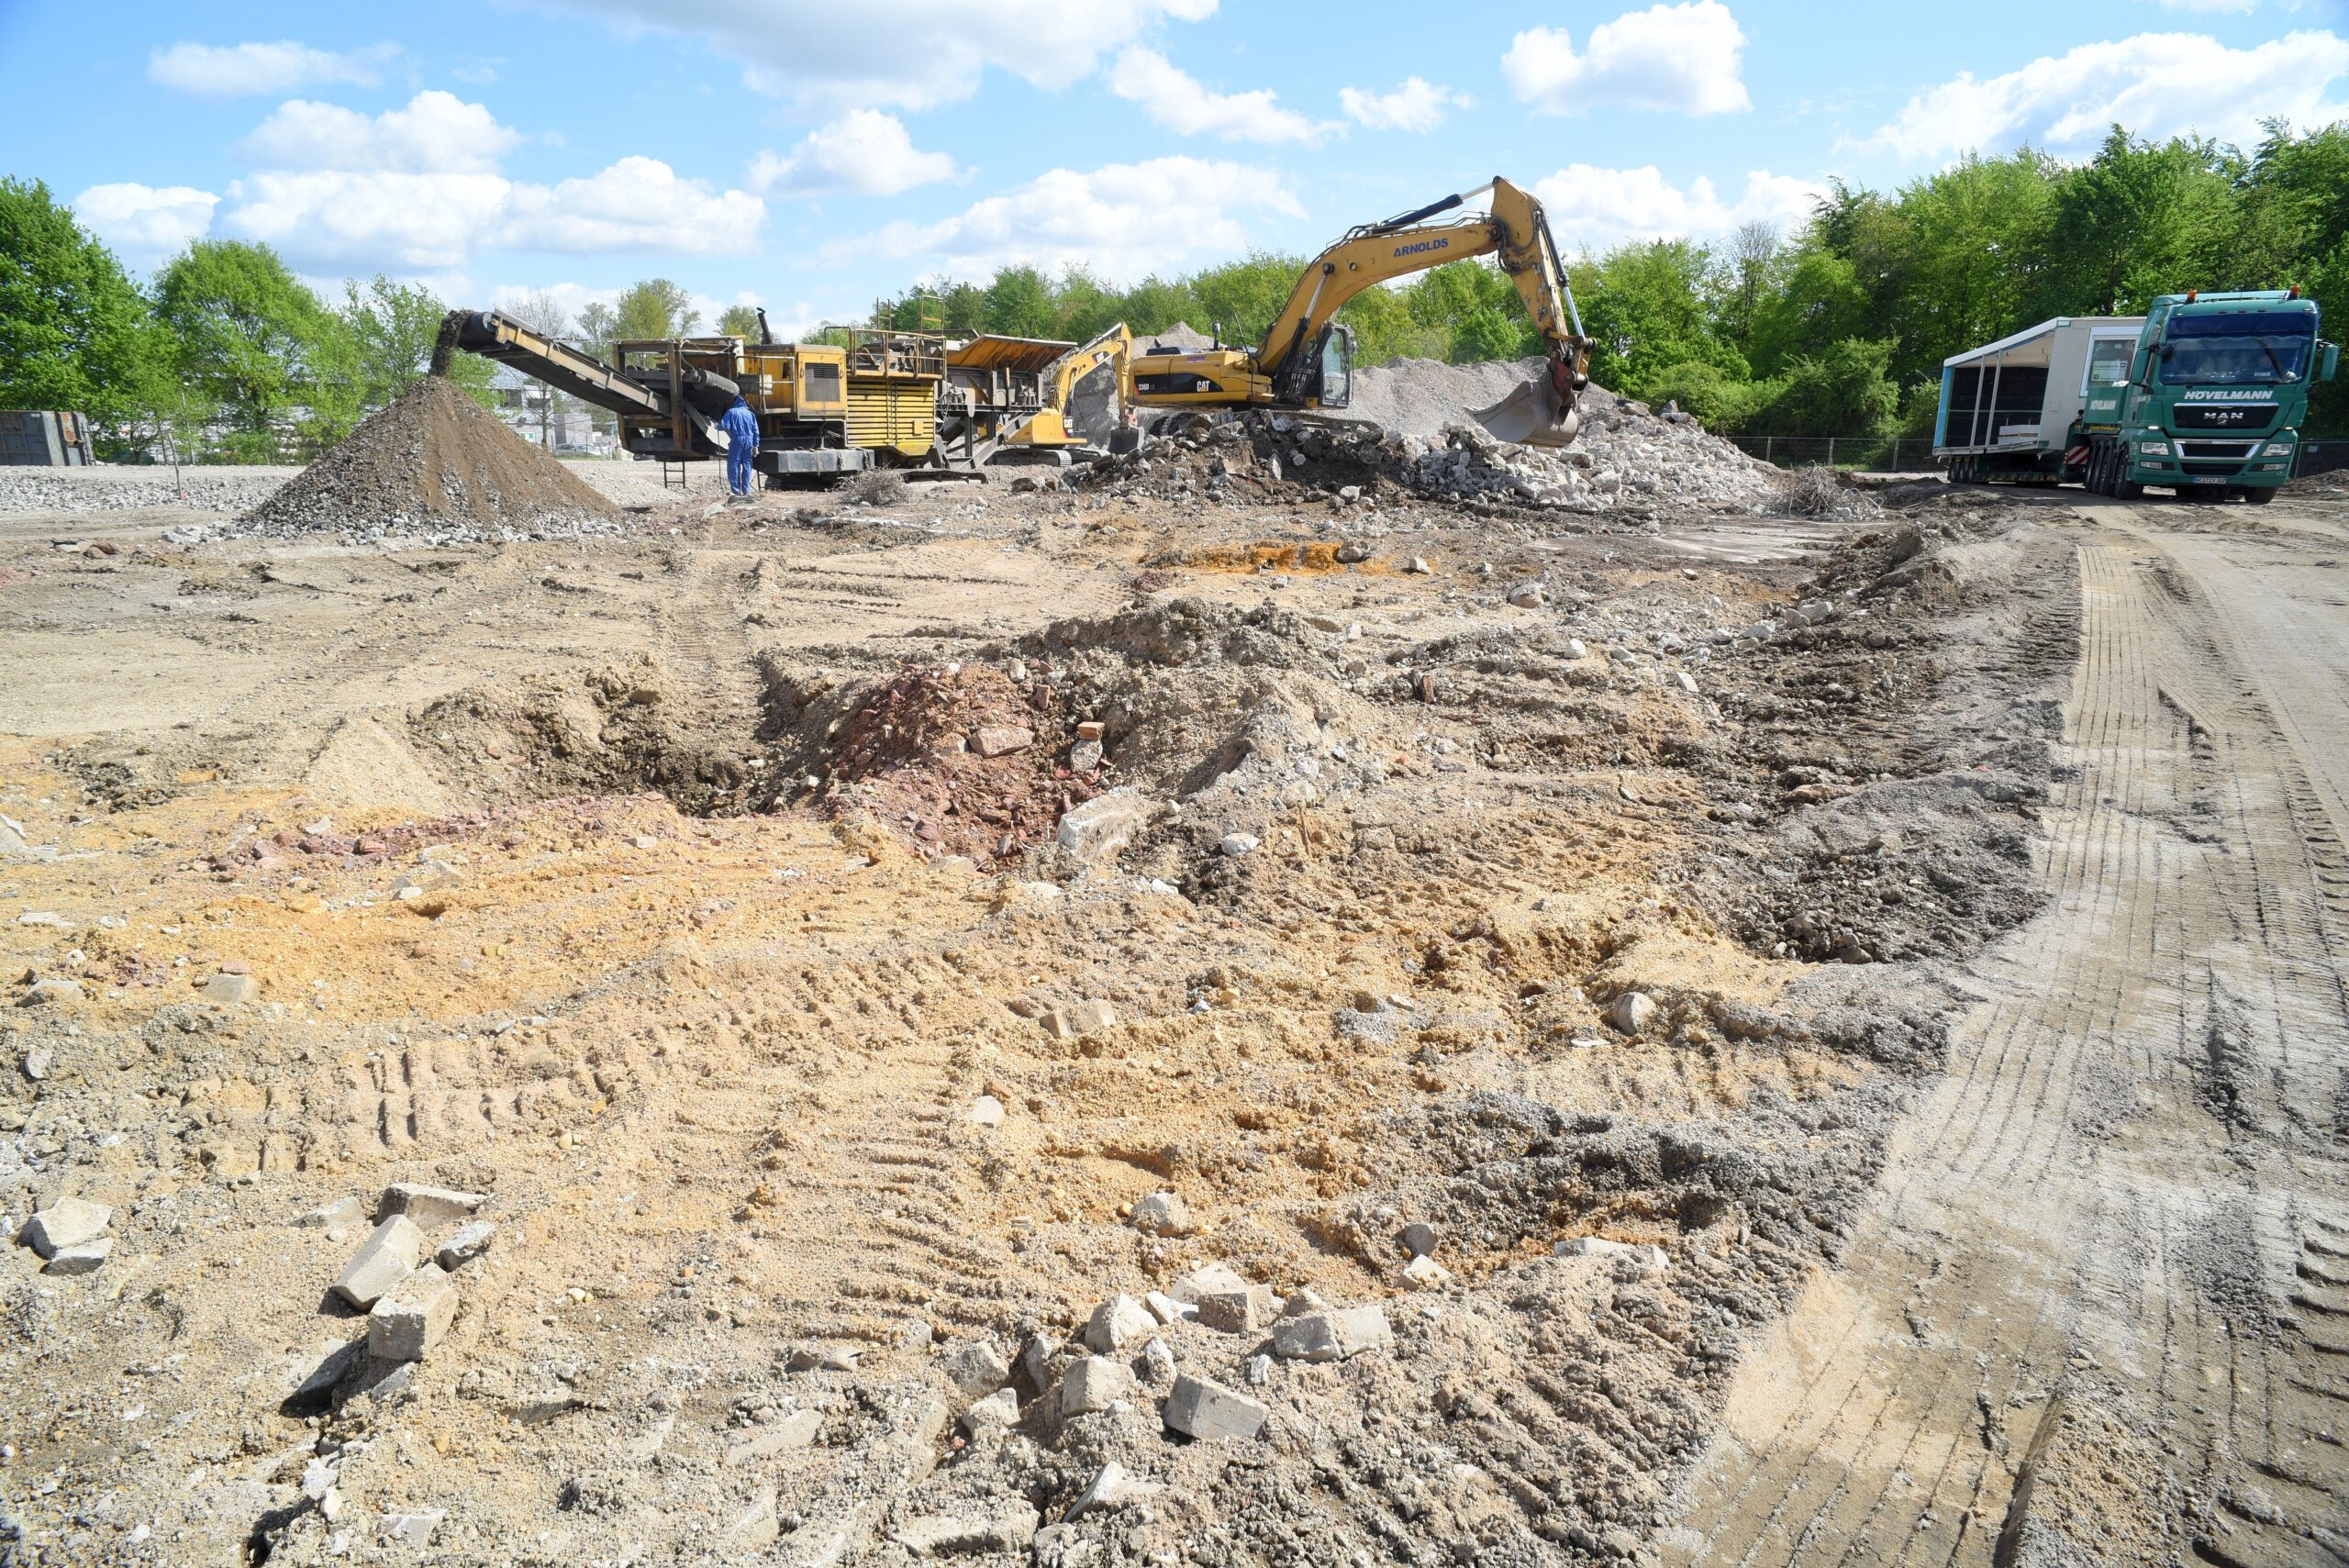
pixel 2259 495
pixel 2126 490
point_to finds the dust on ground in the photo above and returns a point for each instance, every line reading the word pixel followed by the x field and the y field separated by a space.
pixel 705 898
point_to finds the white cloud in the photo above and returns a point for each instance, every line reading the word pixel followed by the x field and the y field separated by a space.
pixel 368 220
pixel 1592 208
pixel 637 204
pixel 419 189
pixel 146 223
pixel 2158 85
pixel 436 132
pixel 1682 58
pixel 1124 221
pixel 864 152
pixel 1417 104
pixel 230 70
pixel 823 51
pixel 1174 98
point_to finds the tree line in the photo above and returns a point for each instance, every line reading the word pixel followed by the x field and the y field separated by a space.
pixel 1837 327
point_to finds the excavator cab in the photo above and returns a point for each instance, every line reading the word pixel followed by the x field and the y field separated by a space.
pixel 1334 374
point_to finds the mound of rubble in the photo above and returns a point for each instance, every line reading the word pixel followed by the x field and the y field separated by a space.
pixel 435 463
pixel 1629 461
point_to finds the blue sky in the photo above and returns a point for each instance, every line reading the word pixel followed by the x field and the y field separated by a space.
pixel 811 156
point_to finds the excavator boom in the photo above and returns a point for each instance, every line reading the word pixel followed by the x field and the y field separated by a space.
pixel 1290 368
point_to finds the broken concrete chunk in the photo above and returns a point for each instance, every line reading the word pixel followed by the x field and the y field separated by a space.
pixel 1234 845
pixel 414 1527
pixel 464 1244
pixel 1104 824
pixel 1006 1528
pixel 1206 1280
pixel 821 1358
pixel 1427 1273
pixel 796 1430
pixel 233 989
pixel 84 1257
pixel 986 1111
pixel 1114 1486
pixel 977 1367
pixel 1419 1239
pixel 68 1222
pixel 1001 1408
pixel 1117 1323
pixel 1332 1336
pixel 410 1317
pixel 1095 1382
pixel 1645 1256
pixel 385 1258
pixel 1242 1311
pixel 1162 1214
pixel 1302 1301
pixel 1167 1310
pixel 1208 1411
pixel 427 1206
pixel 1036 1361
pixel 351 1210
pixel 1160 1359
pixel 1631 1012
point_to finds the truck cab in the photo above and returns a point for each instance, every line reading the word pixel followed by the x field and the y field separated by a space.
pixel 2211 399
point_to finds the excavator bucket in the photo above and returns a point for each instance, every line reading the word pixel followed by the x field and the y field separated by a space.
pixel 1532 415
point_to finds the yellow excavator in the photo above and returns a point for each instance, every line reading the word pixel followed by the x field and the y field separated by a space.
pixel 1307 359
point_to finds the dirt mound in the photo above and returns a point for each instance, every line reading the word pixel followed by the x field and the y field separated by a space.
pixel 964 759
pixel 435 462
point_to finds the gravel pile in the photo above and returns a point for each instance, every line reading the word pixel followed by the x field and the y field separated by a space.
pixel 227 492
pixel 1420 397
pixel 1628 462
pixel 435 464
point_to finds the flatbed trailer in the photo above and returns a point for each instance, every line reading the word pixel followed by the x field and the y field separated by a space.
pixel 2016 411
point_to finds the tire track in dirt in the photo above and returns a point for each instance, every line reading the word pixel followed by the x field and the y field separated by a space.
pixel 2079 1317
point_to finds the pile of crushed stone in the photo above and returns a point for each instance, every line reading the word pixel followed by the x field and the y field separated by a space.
pixel 435 463
pixel 1629 461
pixel 1420 397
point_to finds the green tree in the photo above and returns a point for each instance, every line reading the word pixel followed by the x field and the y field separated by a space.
pixel 392 329
pixel 1020 304
pixel 74 334
pixel 258 352
pixel 740 321
pixel 2137 221
pixel 1846 391
pixel 1243 296
pixel 1649 306
pixel 653 309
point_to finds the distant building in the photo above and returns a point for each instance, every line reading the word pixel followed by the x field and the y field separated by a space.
pixel 541 416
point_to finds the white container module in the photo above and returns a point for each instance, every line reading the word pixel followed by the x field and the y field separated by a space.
pixel 2028 396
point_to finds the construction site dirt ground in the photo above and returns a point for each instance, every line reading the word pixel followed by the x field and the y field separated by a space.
pixel 1919 941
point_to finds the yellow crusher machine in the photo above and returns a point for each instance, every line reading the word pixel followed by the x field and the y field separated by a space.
pixel 824 409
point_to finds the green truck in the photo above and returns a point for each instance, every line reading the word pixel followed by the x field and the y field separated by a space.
pixel 2204 396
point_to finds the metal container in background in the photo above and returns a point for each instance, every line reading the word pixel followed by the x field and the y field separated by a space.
pixel 37 438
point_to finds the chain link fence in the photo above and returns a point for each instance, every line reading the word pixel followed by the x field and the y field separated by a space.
pixel 1914 454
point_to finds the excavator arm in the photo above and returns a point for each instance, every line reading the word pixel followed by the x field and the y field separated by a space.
pixel 1515 229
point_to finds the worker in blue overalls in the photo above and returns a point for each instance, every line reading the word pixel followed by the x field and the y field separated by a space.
pixel 742 428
